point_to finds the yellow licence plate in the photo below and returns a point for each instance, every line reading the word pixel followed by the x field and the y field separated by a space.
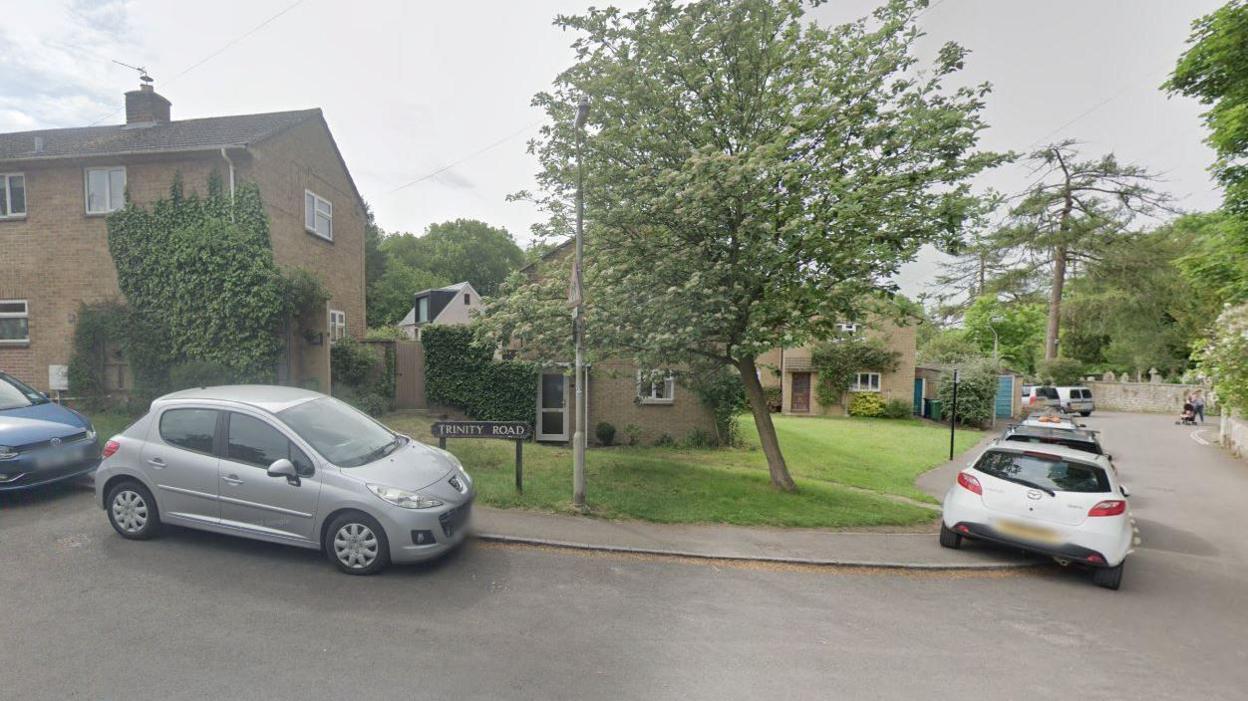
pixel 1025 531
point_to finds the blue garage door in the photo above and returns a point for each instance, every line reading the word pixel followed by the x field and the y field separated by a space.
pixel 1005 396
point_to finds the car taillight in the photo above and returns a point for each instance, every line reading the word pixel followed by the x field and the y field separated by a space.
pixel 1109 507
pixel 970 483
pixel 110 448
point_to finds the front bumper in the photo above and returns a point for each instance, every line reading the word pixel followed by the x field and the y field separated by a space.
pixel 30 470
pixel 409 530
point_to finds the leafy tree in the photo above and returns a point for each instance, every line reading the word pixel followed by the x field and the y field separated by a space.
pixel 751 178
pixel 1019 330
pixel 1214 70
pixel 374 260
pixel 1132 309
pixel 392 296
pixel 1215 260
pixel 948 347
pixel 1072 207
pixel 1225 357
pixel 459 250
pixel 977 391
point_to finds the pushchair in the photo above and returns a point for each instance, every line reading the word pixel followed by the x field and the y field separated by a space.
pixel 1188 417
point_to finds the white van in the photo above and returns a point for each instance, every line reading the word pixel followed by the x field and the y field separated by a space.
pixel 1038 397
pixel 1076 399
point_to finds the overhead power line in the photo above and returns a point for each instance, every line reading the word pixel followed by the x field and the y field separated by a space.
pixel 468 157
pixel 225 47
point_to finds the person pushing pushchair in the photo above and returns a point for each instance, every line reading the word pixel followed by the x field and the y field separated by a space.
pixel 1188 417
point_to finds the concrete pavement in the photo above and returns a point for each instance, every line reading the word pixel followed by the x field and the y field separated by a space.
pixel 86 614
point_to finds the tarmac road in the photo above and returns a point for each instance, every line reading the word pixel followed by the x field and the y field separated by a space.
pixel 86 614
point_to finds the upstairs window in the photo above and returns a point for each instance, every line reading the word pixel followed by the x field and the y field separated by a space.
pixel 14 322
pixel 422 310
pixel 318 215
pixel 12 195
pixel 847 328
pixel 106 189
pixel 866 382
pixel 467 298
pixel 655 391
pixel 337 324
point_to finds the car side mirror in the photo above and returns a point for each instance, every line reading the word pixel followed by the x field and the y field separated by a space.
pixel 284 468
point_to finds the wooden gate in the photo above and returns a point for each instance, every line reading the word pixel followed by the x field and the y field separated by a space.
pixel 409 375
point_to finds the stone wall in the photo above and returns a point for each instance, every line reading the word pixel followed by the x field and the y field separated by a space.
pixel 1234 434
pixel 1153 397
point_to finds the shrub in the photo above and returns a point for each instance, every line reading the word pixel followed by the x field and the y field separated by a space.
pixel 384 333
pixel 775 398
pixel 98 326
pixel 868 404
pixel 200 373
pixel 633 433
pixel 977 392
pixel 1060 371
pixel 462 374
pixel 664 440
pixel 367 401
pixel 719 389
pixel 698 438
pixel 351 363
pixel 605 433
pixel 897 409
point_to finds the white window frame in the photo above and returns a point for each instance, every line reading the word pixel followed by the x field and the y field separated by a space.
pixel 858 386
pixel 108 197
pixel 646 389
pixel 317 201
pixel 847 328
pixel 24 314
pixel 6 196
pixel 337 324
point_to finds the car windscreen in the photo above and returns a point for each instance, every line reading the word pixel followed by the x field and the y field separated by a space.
pixel 1047 392
pixel 1044 471
pixel 14 394
pixel 344 436
pixel 1084 445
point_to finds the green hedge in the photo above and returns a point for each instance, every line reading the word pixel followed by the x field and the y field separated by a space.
pixel 461 374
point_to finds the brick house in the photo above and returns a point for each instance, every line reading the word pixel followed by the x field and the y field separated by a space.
pixel 453 304
pixel 57 186
pixel 791 370
pixel 616 393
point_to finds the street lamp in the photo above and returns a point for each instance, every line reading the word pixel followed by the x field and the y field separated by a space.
pixel 996 340
pixel 578 317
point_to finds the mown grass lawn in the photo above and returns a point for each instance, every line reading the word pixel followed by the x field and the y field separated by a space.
pixel 827 457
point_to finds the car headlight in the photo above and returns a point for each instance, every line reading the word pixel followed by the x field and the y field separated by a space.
pixel 7 453
pixel 403 498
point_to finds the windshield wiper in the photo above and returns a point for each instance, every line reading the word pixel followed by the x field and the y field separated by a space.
pixel 1033 485
pixel 382 452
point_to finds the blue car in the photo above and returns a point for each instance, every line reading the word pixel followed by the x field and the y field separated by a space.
pixel 40 441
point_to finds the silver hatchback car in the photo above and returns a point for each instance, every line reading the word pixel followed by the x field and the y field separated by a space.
pixel 285 465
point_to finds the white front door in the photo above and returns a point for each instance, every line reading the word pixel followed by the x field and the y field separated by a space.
pixel 552 407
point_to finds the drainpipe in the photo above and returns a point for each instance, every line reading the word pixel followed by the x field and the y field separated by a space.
pixel 226 156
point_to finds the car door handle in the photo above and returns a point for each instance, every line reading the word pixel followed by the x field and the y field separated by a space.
pixel 157 463
pixel 232 479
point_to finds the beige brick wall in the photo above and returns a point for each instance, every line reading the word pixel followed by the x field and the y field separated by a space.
pixel 613 399
pixel 1162 398
pixel 57 257
pixel 898 384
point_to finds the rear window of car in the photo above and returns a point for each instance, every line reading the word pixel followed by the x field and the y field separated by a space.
pixel 1047 392
pixel 192 429
pixel 1046 471
pixel 1085 393
pixel 1085 446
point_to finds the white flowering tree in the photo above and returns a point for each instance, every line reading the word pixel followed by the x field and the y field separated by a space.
pixel 751 179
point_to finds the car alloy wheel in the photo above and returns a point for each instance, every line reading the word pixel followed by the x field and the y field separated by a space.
pixel 130 511
pixel 355 546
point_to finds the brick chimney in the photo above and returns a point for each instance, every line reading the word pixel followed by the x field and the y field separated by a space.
pixel 144 106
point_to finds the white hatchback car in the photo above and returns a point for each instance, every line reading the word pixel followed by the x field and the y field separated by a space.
pixel 1055 501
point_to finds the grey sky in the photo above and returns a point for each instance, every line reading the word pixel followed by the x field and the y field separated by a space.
pixel 410 88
